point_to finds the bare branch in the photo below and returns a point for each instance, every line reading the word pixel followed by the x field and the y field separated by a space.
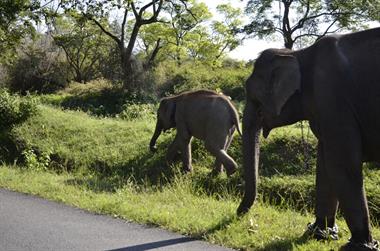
pixel 328 28
pixel 135 13
pixel 142 10
pixel 155 13
pixel 123 25
pixel 154 53
pixel 106 31
pixel 188 10
pixel 279 30
pixel 302 21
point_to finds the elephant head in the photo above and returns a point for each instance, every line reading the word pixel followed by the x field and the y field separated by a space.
pixel 165 119
pixel 275 79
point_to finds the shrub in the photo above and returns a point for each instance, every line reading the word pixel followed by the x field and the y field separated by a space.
pixel 35 162
pixel 100 97
pixel 38 68
pixel 173 79
pixel 14 109
pixel 137 111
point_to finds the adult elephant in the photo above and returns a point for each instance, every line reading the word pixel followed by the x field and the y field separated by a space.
pixel 335 85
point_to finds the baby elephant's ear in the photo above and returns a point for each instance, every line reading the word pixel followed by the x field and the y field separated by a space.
pixel 168 109
pixel 286 78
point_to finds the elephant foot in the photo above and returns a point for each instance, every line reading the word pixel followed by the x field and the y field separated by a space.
pixel 188 169
pixel 230 171
pixel 355 246
pixel 242 209
pixel 214 173
pixel 329 233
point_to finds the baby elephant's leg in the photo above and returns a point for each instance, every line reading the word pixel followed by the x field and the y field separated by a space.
pixel 218 163
pixel 218 167
pixel 182 144
pixel 221 156
pixel 173 150
pixel 186 154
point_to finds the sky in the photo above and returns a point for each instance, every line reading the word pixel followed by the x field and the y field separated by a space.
pixel 251 47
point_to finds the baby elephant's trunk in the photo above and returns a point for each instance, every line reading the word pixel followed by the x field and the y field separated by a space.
pixel 157 132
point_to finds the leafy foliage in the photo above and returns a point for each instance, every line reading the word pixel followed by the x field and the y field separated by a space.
pixel 34 162
pixel 84 44
pixel 307 21
pixel 100 98
pixel 16 22
pixel 39 68
pixel 14 110
pixel 171 79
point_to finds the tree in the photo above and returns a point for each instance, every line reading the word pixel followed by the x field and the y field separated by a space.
pixel 151 42
pixel 16 19
pixel 141 14
pixel 188 34
pixel 225 33
pixel 39 67
pixel 183 20
pixel 84 44
pixel 307 19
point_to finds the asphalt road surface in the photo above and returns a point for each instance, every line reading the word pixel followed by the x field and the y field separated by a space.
pixel 31 223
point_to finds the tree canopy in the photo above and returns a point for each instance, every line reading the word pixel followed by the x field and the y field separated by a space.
pixel 300 20
pixel 16 22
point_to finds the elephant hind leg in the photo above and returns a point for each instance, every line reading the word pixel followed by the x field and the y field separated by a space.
pixel 218 166
pixel 222 157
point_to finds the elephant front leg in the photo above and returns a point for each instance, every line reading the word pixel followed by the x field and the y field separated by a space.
pixel 326 203
pixel 342 158
pixel 186 155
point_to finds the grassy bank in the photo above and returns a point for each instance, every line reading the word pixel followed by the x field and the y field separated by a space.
pixel 178 208
pixel 104 165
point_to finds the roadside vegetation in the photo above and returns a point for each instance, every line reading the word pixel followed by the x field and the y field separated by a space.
pixel 102 163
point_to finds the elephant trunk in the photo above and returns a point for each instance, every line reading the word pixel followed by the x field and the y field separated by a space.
pixel 251 151
pixel 156 134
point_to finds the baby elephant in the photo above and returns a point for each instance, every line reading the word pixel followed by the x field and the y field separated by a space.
pixel 206 115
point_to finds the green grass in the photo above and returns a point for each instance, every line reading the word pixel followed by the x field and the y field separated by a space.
pixel 104 165
pixel 176 207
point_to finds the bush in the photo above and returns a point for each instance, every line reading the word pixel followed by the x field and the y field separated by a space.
pixel 102 98
pixel 14 109
pixel 35 162
pixel 38 68
pixel 173 79
pixel 137 111
pixel 287 155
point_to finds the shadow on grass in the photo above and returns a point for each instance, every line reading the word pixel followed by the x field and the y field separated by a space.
pixel 151 171
pixel 144 171
pixel 100 102
pixel 285 244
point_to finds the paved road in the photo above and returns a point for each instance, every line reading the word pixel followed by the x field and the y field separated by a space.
pixel 32 223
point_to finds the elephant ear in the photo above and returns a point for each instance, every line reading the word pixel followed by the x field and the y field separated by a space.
pixel 286 78
pixel 168 110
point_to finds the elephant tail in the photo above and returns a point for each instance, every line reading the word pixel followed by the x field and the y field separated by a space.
pixel 238 128
pixel 235 119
